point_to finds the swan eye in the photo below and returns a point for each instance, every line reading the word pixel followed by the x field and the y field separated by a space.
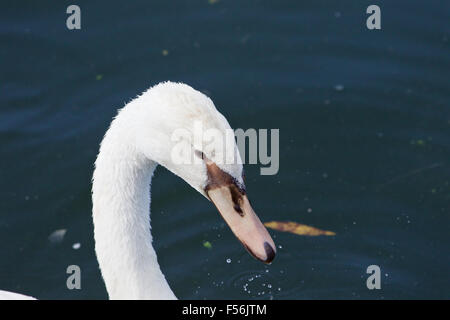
pixel 199 154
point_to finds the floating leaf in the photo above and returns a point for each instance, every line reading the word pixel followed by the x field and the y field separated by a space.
pixel 207 244
pixel 99 77
pixel 297 228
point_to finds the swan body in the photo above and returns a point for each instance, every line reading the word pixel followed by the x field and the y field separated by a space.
pixel 6 295
pixel 139 138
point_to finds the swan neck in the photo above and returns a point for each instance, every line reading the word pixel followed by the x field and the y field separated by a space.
pixel 121 215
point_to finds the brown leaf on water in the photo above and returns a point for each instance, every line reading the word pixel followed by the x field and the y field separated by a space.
pixel 297 228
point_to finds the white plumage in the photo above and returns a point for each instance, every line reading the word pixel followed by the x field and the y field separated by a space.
pixel 140 138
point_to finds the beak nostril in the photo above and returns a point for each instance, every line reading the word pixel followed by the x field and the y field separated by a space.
pixel 238 209
pixel 270 252
pixel 199 154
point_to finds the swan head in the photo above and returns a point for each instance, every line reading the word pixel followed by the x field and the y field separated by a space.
pixel 181 129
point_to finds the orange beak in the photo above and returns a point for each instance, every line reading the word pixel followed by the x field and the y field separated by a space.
pixel 244 222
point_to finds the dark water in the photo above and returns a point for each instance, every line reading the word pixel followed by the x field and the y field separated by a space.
pixel 364 119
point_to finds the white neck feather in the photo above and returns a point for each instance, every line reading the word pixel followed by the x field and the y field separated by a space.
pixel 121 204
pixel 139 139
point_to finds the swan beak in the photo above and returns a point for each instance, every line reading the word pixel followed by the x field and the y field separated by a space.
pixel 237 212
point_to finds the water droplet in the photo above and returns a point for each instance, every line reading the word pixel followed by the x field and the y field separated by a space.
pixel 76 246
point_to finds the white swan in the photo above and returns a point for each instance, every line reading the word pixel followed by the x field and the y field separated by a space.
pixel 6 295
pixel 139 139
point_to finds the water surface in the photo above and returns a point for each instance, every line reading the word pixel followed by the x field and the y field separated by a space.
pixel 364 125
